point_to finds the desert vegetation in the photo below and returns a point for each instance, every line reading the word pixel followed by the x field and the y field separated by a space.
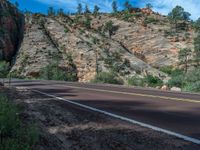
pixel 14 134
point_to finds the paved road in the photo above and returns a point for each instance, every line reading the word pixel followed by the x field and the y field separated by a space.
pixel 177 112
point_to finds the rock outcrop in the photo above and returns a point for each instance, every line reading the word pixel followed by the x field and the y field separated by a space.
pixel 37 40
pixel 11 30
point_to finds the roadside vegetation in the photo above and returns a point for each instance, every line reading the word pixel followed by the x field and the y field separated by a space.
pixel 150 81
pixel 107 77
pixel 54 72
pixel 4 69
pixel 14 135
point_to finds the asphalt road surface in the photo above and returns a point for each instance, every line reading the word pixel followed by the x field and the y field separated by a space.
pixel 174 111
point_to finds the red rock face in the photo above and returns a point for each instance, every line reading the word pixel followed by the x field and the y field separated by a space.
pixel 11 30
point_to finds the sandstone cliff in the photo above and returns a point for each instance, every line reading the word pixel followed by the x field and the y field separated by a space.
pixel 11 30
pixel 139 44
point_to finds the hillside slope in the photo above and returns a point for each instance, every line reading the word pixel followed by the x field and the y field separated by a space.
pixel 140 43
pixel 46 38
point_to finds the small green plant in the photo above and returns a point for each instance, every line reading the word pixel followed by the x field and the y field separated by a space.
pixel 4 69
pixel 54 72
pixel 14 135
pixel 176 81
pixel 167 69
pixel 66 30
pixel 194 87
pixel 153 81
pixel 107 77
pixel 149 20
pixel 136 81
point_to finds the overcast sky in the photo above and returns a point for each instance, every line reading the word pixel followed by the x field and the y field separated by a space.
pixel 161 6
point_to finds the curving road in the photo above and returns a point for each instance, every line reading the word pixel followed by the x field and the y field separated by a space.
pixel 172 111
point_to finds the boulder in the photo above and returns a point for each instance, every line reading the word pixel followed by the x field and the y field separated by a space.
pixel 1 84
pixel 164 87
pixel 176 89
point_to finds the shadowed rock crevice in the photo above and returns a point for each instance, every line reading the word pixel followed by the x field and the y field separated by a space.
pixel 11 30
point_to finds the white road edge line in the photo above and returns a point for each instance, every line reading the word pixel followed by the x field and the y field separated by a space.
pixel 186 138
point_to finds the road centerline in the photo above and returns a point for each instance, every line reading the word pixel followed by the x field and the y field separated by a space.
pixel 132 121
pixel 134 94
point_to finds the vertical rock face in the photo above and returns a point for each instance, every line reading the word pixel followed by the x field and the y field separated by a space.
pixel 11 30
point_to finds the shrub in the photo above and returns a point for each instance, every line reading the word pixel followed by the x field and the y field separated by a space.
pixel 106 77
pixel 66 30
pixel 149 20
pixel 128 17
pixel 14 135
pixel 195 87
pixel 4 69
pixel 177 81
pixel 167 69
pixel 54 72
pixel 136 81
pixel 193 76
pixel 153 81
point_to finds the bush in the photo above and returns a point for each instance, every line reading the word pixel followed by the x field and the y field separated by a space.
pixel 14 135
pixel 177 72
pixel 105 77
pixel 193 76
pixel 193 80
pixel 4 69
pixel 66 30
pixel 177 81
pixel 153 81
pixel 54 72
pixel 195 87
pixel 167 69
pixel 136 81
pixel 149 20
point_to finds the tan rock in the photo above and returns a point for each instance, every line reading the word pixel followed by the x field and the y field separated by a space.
pixel 164 87
pixel 176 89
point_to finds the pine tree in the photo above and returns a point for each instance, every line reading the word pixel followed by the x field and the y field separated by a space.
pixel 177 14
pixel 128 6
pixel 109 28
pixel 60 12
pixel 79 9
pixel 51 11
pixel 87 10
pixel 114 6
pixel 96 10
pixel 149 6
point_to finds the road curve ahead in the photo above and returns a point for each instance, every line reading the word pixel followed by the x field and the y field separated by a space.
pixel 173 111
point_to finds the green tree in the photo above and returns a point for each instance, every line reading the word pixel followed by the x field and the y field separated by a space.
pixel 114 6
pixel 87 10
pixel 60 12
pixel 109 28
pixel 197 49
pixel 96 10
pixel 87 22
pixel 128 6
pixel 16 4
pixel 4 69
pixel 149 6
pixel 51 11
pixel 185 57
pixel 54 72
pixel 197 25
pixel 79 9
pixel 178 13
